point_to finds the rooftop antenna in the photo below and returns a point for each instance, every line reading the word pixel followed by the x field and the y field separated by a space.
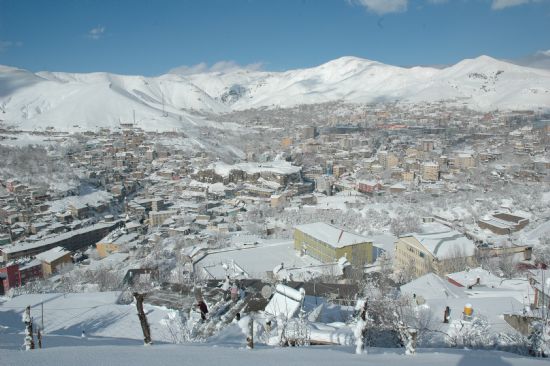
pixel 340 237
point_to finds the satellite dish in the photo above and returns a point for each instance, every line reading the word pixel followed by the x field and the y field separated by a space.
pixel 267 292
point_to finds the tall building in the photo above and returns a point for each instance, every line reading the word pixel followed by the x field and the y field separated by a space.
pixel 429 171
pixel 427 145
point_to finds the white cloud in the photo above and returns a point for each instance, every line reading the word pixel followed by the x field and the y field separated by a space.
pixel 96 33
pixel 501 4
pixel 382 6
pixel 4 45
pixel 539 60
pixel 221 66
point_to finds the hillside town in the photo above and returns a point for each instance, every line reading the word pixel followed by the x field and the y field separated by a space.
pixel 443 211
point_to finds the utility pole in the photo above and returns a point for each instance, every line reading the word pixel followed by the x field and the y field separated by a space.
pixel 250 336
pixel 39 337
pixel 42 316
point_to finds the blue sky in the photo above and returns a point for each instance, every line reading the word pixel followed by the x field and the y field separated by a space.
pixel 151 37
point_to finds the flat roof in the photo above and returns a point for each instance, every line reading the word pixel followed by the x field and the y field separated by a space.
pixel 51 255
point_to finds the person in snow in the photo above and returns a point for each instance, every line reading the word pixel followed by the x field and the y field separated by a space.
pixel 447 315
pixel 234 292
pixel 225 287
pixel 242 293
pixel 203 309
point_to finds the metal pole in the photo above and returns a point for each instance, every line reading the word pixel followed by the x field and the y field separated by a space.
pixel 42 317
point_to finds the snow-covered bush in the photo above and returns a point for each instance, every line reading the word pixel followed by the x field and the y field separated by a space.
pixel 176 326
pixel 473 333
pixel 360 329
pixel 538 340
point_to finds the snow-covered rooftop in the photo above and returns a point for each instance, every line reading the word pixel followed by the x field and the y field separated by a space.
pixel 53 254
pixel 335 237
pixel 431 286
pixel 445 243
pixel 277 167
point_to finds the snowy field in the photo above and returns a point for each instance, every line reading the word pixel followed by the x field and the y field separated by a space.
pixel 67 315
pixel 257 260
pixel 213 355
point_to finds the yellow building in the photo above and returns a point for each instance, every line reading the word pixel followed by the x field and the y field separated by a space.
pixel 53 259
pixel 407 176
pixel 392 160
pixel 115 242
pixel 104 249
pixel 437 249
pixel 429 171
pixel 286 142
pixel 328 243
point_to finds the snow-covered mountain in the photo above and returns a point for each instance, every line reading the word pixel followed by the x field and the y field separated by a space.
pixel 65 100
pixel 483 83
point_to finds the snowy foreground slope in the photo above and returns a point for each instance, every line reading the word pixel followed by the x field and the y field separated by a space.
pixel 66 100
pixel 67 315
pixel 227 356
pixel 113 337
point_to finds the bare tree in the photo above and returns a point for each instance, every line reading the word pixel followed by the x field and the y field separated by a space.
pixel 405 224
pixel 456 261
pixel 507 265
pixel 542 251
pixel 143 318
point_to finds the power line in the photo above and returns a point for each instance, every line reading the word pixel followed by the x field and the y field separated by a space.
pixel 72 308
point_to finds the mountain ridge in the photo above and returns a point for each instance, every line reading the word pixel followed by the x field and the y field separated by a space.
pixel 99 99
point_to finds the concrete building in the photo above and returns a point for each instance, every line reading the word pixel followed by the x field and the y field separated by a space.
pixel 429 171
pixel 114 242
pixel 156 218
pixel 328 244
pixel 462 161
pixel 53 259
pixel 431 251
pixel 387 159
pixel 71 240
pixel 427 145
pixel 407 176
pixel 369 186
pixel 502 223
